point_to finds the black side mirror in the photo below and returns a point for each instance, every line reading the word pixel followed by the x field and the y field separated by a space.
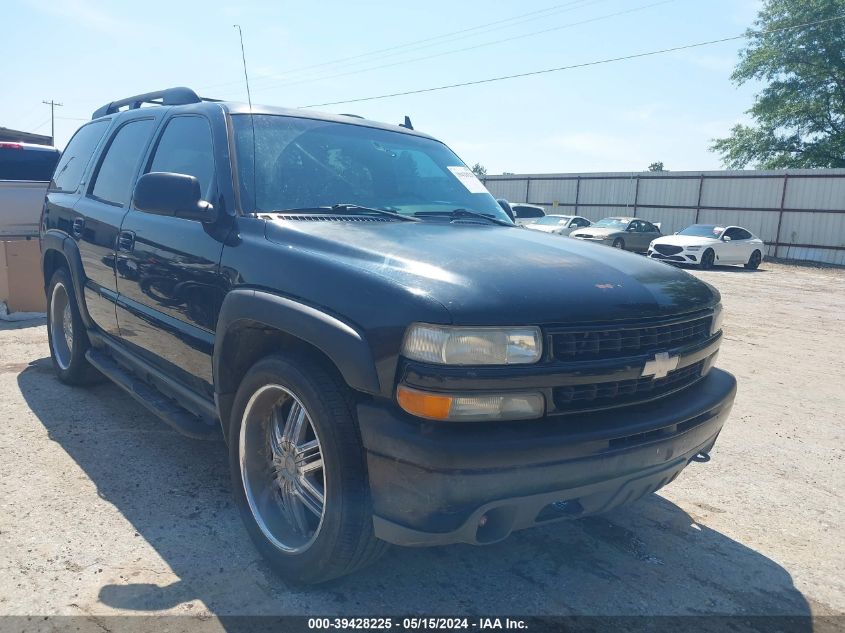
pixel 177 195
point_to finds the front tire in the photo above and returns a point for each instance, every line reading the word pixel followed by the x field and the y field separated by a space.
pixel 708 257
pixel 298 470
pixel 754 261
pixel 66 333
pixel 619 243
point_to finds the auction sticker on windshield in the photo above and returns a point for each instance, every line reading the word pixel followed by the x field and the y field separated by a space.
pixel 468 179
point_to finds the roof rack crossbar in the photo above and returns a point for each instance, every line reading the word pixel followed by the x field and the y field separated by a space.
pixel 170 96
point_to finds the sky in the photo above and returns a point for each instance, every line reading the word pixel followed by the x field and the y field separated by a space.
pixel 619 116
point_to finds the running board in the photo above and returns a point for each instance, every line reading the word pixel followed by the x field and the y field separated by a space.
pixel 165 408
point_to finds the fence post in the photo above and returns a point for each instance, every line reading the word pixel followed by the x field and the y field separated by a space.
pixel 636 194
pixel 577 192
pixel 698 203
pixel 780 213
pixel 527 189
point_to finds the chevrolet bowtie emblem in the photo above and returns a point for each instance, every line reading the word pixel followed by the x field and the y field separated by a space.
pixel 661 365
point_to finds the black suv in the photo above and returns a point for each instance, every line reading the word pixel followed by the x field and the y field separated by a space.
pixel 390 359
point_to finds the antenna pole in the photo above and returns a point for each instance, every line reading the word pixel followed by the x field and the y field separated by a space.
pixel 243 57
pixel 52 105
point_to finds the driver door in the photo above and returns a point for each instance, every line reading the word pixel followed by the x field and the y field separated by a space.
pixel 168 277
pixel 732 250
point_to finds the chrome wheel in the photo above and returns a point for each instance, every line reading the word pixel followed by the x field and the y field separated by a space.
pixel 61 326
pixel 281 464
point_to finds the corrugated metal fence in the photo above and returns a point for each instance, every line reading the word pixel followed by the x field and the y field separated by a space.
pixel 799 213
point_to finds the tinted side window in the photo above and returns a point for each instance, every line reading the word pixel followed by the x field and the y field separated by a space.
pixel 77 155
pixel 114 177
pixel 185 148
pixel 742 234
pixel 528 212
pixel 648 227
pixel 23 163
pixel 580 222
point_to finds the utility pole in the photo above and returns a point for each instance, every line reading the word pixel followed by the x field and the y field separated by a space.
pixel 52 105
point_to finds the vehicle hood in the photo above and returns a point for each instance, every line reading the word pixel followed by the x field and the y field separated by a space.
pixel 545 228
pixel 685 240
pixel 597 232
pixel 487 274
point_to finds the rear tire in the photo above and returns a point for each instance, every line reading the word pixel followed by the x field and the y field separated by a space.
pixel 66 333
pixel 619 243
pixel 754 261
pixel 298 470
pixel 707 259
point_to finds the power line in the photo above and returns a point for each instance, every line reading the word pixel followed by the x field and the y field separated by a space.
pixel 470 48
pixel 518 19
pixel 573 66
pixel 40 125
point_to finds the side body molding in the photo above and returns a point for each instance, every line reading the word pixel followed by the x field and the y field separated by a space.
pixel 54 240
pixel 340 342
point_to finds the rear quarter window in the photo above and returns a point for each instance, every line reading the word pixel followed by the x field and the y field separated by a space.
pixel 113 181
pixel 25 163
pixel 528 212
pixel 77 155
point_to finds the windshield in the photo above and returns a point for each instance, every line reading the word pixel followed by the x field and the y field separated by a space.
pixel 704 230
pixel 303 163
pixel 611 223
pixel 554 219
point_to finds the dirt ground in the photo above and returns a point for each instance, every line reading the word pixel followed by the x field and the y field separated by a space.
pixel 106 510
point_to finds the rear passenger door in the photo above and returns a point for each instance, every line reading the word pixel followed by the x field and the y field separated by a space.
pixel 167 267
pixel 97 216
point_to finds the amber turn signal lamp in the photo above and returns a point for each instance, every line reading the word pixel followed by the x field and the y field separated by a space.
pixel 425 405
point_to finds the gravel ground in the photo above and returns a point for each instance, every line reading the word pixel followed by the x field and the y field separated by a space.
pixel 105 510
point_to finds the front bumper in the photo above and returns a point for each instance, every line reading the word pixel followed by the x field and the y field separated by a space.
pixel 684 257
pixel 436 483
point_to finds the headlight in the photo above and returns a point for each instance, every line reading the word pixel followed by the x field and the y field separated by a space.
pixel 471 407
pixel 447 345
pixel 693 248
pixel 716 323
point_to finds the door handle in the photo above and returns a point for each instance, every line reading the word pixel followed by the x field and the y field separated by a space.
pixel 126 241
pixel 78 225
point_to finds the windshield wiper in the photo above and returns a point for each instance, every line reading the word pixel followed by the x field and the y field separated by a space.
pixel 350 209
pixel 456 214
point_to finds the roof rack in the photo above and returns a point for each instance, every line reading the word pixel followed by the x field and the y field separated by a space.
pixel 170 96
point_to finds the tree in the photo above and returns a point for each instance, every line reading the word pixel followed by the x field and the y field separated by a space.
pixel 479 170
pixel 800 115
pixel 658 166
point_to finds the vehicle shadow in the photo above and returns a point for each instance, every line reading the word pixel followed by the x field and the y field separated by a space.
pixel 649 558
pixel 724 269
pixel 37 321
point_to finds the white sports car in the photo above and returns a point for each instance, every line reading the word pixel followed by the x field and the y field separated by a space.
pixel 559 224
pixel 708 244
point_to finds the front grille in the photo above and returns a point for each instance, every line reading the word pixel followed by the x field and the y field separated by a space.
pixel 627 340
pixel 670 258
pixel 572 398
pixel 668 249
